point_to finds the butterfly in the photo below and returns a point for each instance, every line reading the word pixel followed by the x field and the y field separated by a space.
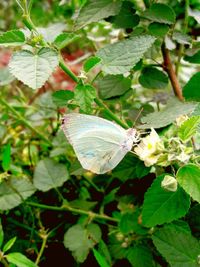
pixel 99 144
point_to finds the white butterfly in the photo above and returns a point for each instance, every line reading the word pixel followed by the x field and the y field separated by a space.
pixel 98 143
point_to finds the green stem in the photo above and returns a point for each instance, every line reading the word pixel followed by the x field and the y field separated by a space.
pixel 68 71
pixel 5 263
pixel 24 121
pixel 44 242
pixel 75 210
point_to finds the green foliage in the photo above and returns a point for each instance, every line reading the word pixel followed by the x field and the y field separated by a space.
pixel 60 98
pixel 153 78
pixel 191 89
pixel 189 128
pixel 64 39
pixel 84 96
pixel 100 259
pixel 20 260
pixel 5 77
pixel 91 63
pixel 6 157
pixel 12 38
pixel 158 29
pixel 140 256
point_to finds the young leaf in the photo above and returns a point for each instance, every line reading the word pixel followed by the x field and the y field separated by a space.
pixel 95 10
pixel 20 260
pixel 120 57
pixel 160 13
pixel 84 96
pixel 113 85
pixel 188 128
pixel 1 234
pixel 49 174
pixel 188 178
pixel 191 89
pixel 13 192
pixel 65 39
pixel 9 244
pixel 61 97
pixel 161 206
pixel 80 240
pixel 177 246
pixel 153 78
pixel 6 157
pixel 100 259
pixel 195 59
pixel 34 69
pixel 90 63
pixel 158 29
pixel 140 256
pixel 5 77
pixel 12 38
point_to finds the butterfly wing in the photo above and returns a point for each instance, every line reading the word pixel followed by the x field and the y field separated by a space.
pixel 97 142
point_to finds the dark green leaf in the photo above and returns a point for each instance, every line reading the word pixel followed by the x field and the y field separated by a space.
pixel 153 78
pixel 158 29
pixel 195 59
pixel 140 256
pixel 6 157
pixel 12 38
pixel 84 96
pixel 90 63
pixel 1 234
pixel 20 260
pixel 100 259
pixel 191 89
pixel 61 97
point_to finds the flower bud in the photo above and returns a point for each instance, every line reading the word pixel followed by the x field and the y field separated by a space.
pixel 169 183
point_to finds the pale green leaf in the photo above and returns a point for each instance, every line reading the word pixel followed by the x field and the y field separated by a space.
pixel 49 174
pixel 5 77
pixel 181 38
pixel 191 89
pixel 65 39
pixel 12 38
pixel 20 260
pixel 84 96
pixel 9 244
pixel 177 246
pixel 173 110
pixel 14 191
pixel 140 256
pixel 160 13
pixel 120 57
pixel 188 177
pixel 113 85
pixel 189 128
pixel 95 10
pixel 33 69
pixel 153 78
pixel 161 206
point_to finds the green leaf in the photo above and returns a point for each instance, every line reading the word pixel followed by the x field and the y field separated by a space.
pixel 188 178
pixel 20 260
pixel 153 78
pixel 189 128
pixel 177 246
pixel 90 63
pixel 9 244
pixel 129 223
pixel 6 157
pixel 181 38
pixel 103 250
pixel 65 39
pixel 84 96
pixel 173 110
pixel 113 85
pixel 100 259
pixel 140 256
pixel 162 206
pixel 126 18
pixel 49 174
pixel 1 234
pixel 14 191
pixel 12 38
pixel 195 59
pixel 79 240
pixel 61 97
pixel 160 13
pixel 5 77
pixel 120 57
pixel 158 29
pixel 33 69
pixel 95 10
pixel 191 89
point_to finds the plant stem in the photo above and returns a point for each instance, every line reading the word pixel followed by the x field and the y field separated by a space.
pixel 75 210
pixel 168 67
pixel 68 71
pixel 44 242
pixel 5 263
pixel 24 121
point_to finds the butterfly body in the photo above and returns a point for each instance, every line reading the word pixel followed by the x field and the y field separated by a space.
pixel 98 143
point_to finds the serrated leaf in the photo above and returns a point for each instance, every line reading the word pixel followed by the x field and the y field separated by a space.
pixel 160 13
pixel 181 38
pixel 158 29
pixel 188 178
pixel 12 38
pixel 162 206
pixel 5 77
pixel 9 244
pixel 153 78
pixel 95 10
pixel 191 89
pixel 90 63
pixel 49 174
pixel 100 259
pixel 177 246
pixel 195 59
pixel 14 191
pixel 140 256
pixel 79 240
pixel 6 157
pixel 188 128
pixel 120 57
pixel 113 85
pixel 173 110
pixel 33 69
pixel 20 260
pixel 61 97
pixel 65 39
pixel 84 96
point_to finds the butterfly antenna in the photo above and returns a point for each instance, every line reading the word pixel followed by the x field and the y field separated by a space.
pixel 138 115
